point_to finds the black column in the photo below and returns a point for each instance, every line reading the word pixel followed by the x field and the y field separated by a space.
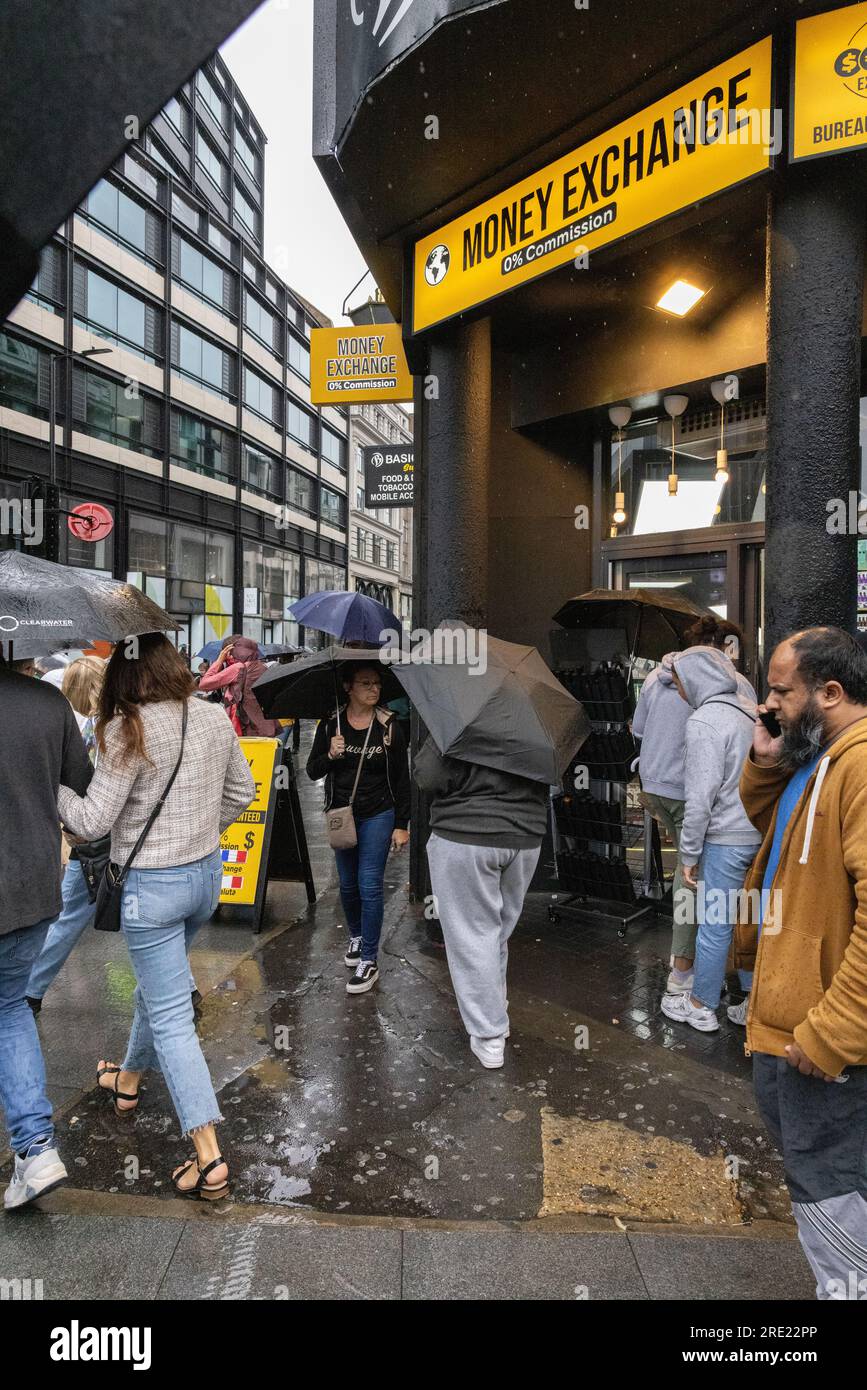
pixel 456 464
pixel 815 272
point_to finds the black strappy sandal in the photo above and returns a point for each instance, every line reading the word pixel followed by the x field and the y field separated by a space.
pixel 201 1188
pixel 113 1093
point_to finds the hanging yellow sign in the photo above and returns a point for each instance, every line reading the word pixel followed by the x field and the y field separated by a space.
pixel 829 99
pixel 358 364
pixel 711 133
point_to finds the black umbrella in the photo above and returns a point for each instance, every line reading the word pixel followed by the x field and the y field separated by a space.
pixel 653 622
pixel 49 608
pixel 506 711
pixel 311 687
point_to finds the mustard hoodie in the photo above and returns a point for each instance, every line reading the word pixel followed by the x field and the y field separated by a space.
pixel 810 985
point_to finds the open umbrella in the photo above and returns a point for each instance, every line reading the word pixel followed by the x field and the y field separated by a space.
pixel 653 621
pixel 267 650
pixel 348 617
pixel 310 688
pixel 48 608
pixel 510 712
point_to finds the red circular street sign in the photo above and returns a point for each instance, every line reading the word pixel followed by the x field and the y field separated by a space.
pixel 90 522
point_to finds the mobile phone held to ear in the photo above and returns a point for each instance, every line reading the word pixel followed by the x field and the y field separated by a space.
pixel 771 722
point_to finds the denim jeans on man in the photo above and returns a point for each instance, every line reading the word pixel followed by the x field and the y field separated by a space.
pixel 722 869
pixel 22 1071
pixel 361 871
pixel 162 911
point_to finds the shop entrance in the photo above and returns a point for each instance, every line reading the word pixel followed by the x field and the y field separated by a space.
pixel 727 578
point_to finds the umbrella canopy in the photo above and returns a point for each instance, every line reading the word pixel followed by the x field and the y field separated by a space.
pixel 211 650
pixel 349 617
pixel 49 608
pixel 513 715
pixel 310 688
pixel 653 621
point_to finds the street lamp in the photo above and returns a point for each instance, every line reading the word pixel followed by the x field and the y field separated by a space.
pixel 54 521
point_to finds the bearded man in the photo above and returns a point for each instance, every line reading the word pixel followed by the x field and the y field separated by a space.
pixel 806 791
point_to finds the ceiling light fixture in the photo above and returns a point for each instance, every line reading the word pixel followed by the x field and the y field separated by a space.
pixel 619 415
pixel 680 297
pixel 718 390
pixel 674 406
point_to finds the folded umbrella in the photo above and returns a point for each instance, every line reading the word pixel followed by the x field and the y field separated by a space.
pixel 513 715
pixel 347 616
pixel 49 608
pixel 311 687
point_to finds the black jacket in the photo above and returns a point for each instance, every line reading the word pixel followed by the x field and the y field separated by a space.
pixel 319 765
pixel 478 805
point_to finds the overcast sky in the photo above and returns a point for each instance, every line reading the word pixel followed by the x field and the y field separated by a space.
pixel 306 241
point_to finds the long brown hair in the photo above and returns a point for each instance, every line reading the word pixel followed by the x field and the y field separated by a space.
pixel 143 670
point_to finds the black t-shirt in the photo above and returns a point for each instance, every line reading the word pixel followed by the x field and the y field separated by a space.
pixel 373 795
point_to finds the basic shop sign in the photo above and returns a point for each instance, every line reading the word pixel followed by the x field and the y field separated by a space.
pixel 388 476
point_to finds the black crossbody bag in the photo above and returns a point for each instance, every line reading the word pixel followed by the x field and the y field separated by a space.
pixel 109 895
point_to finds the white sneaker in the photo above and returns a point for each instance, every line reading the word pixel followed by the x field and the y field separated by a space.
pixel 681 1008
pixel 737 1013
pixel 677 984
pixel 34 1177
pixel 491 1052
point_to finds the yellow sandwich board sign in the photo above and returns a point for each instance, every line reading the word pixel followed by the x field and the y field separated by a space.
pixel 829 85
pixel 244 846
pixel 708 135
pixel 358 364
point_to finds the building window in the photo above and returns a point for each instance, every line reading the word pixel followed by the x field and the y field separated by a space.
pixel 332 507
pixel 19 377
pixel 259 320
pixel 177 116
pixel 103 409
pixel 333 448
pixel 185 212
pixel 221 242
pixel 186 570
pixel 273 578
pixel 200 274
pixel 211 97
pixel 142 177
pixel 115 314
pixel 208 159
pixel 246 213
pixel 121 218
pixel 299 357
pixel 203 362
pixel 301 491
pixel 246 153
pixel 262 472
pixel 47 289
pixel 359 499
pixel 260 396
pixel 202 447
pixel 300 424
pixel 319 575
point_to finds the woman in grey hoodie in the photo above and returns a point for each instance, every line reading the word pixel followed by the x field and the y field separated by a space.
pixel 717 841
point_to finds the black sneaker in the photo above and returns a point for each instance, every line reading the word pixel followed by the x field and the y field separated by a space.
pixel 35 1004
pixel 365 977
pixel 353 952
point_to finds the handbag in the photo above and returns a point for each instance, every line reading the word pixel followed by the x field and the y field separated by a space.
pixel 93 859
pixel 109 894
pixel 339 821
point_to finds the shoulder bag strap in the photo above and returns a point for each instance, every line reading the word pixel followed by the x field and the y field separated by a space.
pixel 361 761
pixel 159 806
pixel 728 704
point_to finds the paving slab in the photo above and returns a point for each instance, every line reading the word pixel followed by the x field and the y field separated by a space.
pixel 102 1257
pixel 693 1267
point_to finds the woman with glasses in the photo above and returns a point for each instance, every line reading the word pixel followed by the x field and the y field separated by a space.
pixel 369 737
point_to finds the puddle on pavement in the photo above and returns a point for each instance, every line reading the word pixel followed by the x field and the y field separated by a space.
pixel 599 1168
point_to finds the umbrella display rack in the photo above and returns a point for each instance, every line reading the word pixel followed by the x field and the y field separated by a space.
pixel 593 827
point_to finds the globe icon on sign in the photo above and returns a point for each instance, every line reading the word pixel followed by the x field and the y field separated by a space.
pixel 436 267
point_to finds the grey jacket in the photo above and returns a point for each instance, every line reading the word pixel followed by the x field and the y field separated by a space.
pixel 660 722
pixel 478 805
pixel 719 734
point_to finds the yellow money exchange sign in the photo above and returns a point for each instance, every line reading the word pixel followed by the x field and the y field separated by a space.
pixel 358 364
pixel 829 101
pixel 243 845
pixel 711 133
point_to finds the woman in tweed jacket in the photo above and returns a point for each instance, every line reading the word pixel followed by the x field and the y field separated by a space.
pixel 174 886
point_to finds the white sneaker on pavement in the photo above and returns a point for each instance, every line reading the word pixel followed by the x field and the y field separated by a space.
pixel 34 1177
pixel 681 1009
pixel 737 1013
pixel 491 1052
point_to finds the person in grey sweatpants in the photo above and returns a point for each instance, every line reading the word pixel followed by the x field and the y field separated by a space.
pixel 487 828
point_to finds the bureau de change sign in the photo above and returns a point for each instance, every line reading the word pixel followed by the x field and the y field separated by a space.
pixel 388 476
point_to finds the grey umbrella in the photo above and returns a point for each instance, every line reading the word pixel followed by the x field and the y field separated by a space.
pixel 49 608
pixel 514 714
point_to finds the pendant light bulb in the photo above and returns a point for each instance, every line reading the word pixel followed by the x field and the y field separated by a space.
pixel 722 466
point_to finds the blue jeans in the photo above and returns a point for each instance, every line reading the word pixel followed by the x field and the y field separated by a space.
pixel 722 870
pixel 77 913
pixel 162 911
pixel 361 871
pixel 22 1070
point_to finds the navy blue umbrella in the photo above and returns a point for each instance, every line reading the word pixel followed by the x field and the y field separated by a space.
pixel 349 617
pixel 211 650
